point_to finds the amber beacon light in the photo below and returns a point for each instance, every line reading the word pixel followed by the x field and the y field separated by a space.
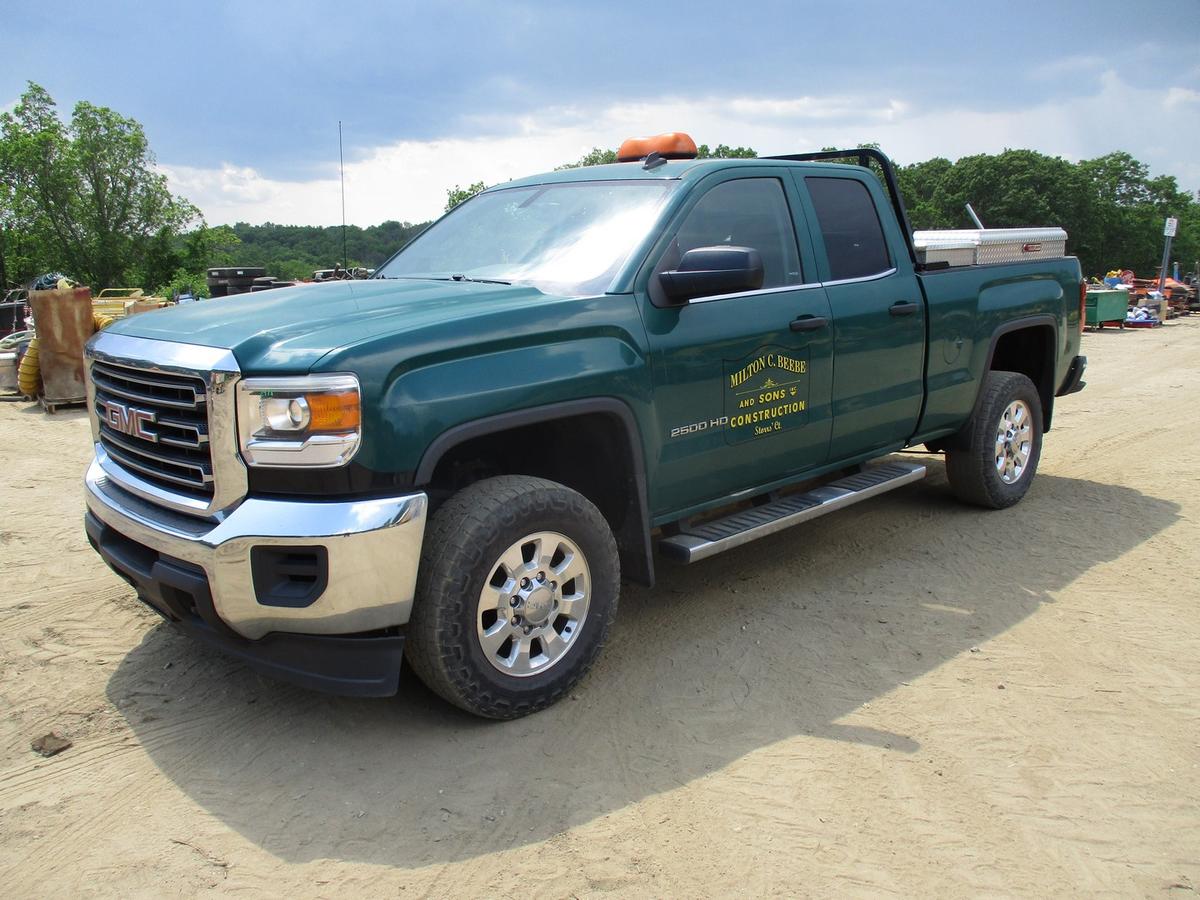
pixel 672 145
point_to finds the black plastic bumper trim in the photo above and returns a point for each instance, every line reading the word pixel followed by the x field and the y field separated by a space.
pixel 349 665
pixel 1074 381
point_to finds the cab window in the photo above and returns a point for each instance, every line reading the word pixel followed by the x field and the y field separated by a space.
pixel 746 212
pixel 849 223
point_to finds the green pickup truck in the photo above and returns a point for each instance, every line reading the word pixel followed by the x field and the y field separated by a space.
pixel 565 378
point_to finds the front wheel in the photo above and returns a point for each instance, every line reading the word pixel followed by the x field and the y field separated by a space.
pixel 995 458
pixel 517 589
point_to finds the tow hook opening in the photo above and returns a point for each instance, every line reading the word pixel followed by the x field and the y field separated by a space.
pixel 292 577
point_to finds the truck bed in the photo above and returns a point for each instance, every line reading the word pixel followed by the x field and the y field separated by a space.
pixel 966 302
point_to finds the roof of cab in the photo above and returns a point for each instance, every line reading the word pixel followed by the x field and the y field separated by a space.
pixel 629 171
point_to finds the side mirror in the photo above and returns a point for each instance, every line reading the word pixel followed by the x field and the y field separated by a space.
pixel 708 271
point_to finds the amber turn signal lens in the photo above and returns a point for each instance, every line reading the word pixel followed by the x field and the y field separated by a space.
pixel 334 412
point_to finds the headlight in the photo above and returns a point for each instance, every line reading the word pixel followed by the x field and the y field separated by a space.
pixel 313 420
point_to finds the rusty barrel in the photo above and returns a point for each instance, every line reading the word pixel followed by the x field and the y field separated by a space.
pixel 63 321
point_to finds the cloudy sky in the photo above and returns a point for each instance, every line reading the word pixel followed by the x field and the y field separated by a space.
pixel 241 100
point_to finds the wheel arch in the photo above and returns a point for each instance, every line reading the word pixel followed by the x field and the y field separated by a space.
pixel 1026 345
pixel 608 434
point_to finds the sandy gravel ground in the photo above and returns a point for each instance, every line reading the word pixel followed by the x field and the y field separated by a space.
pixel 909 698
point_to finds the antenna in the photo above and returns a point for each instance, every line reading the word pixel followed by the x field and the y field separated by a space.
pixel 342 172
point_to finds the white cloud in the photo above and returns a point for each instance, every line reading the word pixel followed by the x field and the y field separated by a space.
pixel 815 109
pixel 408 179
pixel 1178 96
pixel 1069 66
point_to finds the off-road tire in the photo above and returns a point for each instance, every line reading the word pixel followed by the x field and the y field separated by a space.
pixel 462 544
pixel 971 458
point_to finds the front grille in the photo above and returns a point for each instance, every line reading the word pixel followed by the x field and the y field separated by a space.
pixel 170 449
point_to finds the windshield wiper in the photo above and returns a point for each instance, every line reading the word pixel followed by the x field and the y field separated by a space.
pixel 479 280
pixel 443 278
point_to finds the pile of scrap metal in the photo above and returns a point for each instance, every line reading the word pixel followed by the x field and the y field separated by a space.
pixel 337 273
pixel 117 303
pixel 14 312
pixel 13 348
pixel 16 335
pixel 21 353
pixel 20 349
pixel 225 281
pixel 1180 298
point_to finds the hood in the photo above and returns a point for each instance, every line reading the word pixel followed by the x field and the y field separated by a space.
pixel 292 328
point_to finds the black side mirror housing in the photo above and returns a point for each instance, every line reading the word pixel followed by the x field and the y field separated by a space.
pixel 710 271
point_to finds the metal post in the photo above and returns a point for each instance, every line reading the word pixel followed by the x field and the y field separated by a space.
pixel 1162 272
pixel 342 174
pixel 1169 234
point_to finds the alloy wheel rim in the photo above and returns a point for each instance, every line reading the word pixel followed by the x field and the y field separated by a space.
pixel 1014 442
pixel 533 605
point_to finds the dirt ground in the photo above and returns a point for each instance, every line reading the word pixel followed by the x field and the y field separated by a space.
pixel 910 697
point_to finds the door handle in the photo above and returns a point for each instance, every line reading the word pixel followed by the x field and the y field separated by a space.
pixel 903 307
pixel 808 323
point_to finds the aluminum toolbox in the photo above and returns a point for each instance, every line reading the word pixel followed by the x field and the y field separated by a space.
pixel 952 253
pixel 992 245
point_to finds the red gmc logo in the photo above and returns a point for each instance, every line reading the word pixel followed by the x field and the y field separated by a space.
pixel 129 420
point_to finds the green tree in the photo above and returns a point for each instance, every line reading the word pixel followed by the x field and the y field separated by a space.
pixel 1111 207
pixel 185 258
pixel 594 157
pixel 296 251
pixel 86 191
pixel 724 151
pixel 598 157
pixel 457 195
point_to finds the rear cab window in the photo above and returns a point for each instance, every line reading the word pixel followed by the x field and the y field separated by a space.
pixel 850 228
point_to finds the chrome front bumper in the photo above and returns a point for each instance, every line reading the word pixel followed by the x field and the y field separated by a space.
pixel 373 548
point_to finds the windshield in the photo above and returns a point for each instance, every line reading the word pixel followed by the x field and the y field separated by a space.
pixel 567 239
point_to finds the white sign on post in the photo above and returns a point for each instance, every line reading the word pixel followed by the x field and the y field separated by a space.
pixel 1172 224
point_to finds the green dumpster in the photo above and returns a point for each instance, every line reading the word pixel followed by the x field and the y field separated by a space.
pixel 1106 307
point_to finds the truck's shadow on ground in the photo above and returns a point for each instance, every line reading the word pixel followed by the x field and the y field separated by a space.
pixel 785 637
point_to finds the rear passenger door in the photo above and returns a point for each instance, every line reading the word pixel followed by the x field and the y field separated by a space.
pixel 741 380
pixel 878 313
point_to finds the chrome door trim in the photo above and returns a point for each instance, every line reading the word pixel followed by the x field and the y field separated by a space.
pixel 876 277
pixel 809 285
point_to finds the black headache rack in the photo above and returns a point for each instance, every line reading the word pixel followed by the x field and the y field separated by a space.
pixel 862 156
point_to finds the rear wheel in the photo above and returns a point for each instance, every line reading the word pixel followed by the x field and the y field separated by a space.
pixel 516 592
pixel 996 456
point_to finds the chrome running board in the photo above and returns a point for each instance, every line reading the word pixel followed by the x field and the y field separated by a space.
pixel 697 542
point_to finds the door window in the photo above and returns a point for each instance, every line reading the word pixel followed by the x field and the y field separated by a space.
pixel 849 223
pixel 746 212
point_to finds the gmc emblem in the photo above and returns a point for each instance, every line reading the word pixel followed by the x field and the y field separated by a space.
pixel 129 420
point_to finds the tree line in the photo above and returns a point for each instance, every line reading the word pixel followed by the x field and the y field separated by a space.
pixel 1112 208
pixel 82 196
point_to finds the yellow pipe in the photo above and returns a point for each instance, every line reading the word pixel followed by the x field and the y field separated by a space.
pixel 29 373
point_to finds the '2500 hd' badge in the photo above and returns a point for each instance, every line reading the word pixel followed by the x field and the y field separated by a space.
pixel 765 393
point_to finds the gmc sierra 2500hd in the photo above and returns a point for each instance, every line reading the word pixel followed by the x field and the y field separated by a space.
pixel 460 458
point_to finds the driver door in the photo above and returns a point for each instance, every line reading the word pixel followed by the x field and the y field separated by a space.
pixel 742 381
